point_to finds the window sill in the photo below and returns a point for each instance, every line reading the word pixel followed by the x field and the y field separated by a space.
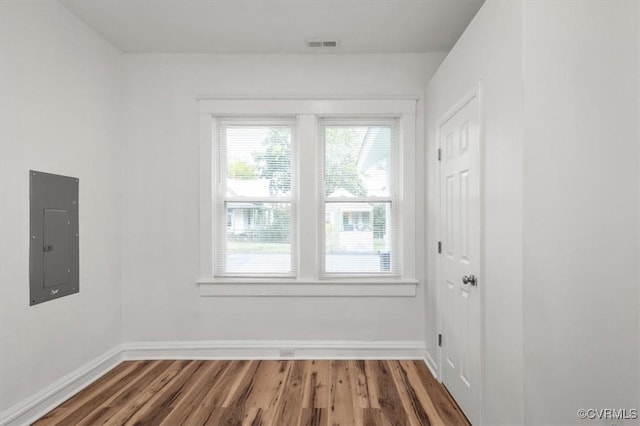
pixel 252 287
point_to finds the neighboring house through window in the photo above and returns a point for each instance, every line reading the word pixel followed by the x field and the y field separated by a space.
pixel 360 183
pixel 255 182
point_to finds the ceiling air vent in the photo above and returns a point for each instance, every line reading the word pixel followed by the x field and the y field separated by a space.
pixel 321 44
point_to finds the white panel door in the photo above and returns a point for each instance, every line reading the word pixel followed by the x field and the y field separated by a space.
pixel 459 296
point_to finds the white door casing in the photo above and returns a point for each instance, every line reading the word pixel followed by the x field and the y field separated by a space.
pixel 459 298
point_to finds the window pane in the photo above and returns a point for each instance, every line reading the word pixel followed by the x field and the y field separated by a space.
pixel 258 238
pixel 357 160
pixel 258 160
pixel 358 237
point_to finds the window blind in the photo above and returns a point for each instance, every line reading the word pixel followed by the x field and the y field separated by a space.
pixel 360 208
pixel 255 210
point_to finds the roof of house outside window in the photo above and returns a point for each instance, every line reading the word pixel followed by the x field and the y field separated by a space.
pixel 248 187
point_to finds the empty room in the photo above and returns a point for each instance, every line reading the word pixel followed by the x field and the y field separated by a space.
pixel 319 212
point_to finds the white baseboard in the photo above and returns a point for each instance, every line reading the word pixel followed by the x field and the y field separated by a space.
pixel 37 405
pixel 274 349
pixel 431 364
pixel 32 408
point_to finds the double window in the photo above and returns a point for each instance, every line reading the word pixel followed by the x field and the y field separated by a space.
pixel 304 191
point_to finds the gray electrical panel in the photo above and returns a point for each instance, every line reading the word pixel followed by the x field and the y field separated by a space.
pixel 54 237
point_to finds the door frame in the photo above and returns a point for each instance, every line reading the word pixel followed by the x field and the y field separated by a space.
pixel 475 93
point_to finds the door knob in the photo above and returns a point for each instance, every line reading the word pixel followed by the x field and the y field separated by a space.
pixel 469 279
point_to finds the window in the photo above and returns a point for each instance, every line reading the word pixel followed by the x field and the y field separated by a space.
pixel 255 183
pixel 359 197
pixel 314 192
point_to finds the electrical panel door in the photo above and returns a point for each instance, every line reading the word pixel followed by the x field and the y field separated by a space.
pixel 54 237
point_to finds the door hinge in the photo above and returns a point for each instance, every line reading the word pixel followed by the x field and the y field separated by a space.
pixel 439 246
pixel 439 339
pixel 439 154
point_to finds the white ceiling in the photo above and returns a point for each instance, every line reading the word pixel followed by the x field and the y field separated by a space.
pixel 277 26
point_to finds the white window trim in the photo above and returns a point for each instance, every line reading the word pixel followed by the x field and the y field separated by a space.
pixel 307 282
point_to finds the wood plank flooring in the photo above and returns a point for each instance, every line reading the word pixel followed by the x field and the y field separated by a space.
pixel 279 393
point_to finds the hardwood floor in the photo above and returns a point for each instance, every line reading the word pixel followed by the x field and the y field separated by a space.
pixel 278 393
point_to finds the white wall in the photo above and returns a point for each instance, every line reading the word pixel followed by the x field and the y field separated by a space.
pixel 561 83
pixel 489 50
pixel 581 208
pixel 161 197
pixel 60 99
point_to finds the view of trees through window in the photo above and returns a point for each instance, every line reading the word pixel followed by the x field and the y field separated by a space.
pixel 258 229
pixel 259 193
pixel 358 205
